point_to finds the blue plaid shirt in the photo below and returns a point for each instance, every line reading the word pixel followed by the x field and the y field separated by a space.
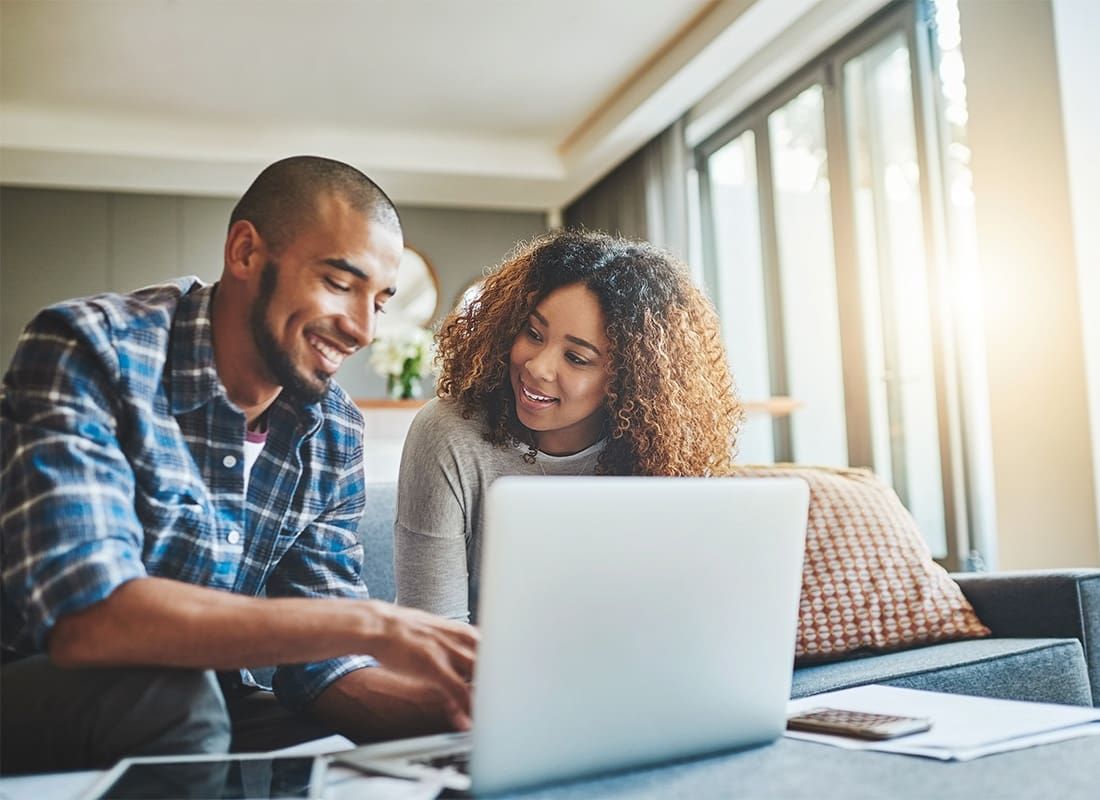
pixel 123 457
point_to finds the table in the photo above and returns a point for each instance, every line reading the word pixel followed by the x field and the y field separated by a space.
pixel 793 770
pixel 790 770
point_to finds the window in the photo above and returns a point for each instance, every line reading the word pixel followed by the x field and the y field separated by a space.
pixel 894 279
pixel 735 200
pixel 807 278
pixel 822 248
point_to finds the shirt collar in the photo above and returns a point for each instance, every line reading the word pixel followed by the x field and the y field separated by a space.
pixel 191 376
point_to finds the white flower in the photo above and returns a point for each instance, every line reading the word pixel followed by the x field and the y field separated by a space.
pixel 407 351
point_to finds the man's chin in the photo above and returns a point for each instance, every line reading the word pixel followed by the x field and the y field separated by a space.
pixel 308 390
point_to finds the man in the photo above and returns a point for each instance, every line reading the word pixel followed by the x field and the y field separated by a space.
pixel 181 487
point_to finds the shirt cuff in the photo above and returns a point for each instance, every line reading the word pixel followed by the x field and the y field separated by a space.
pixel 298 685
pixel 75 586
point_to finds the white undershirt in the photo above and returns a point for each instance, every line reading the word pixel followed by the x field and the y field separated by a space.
pixel 253 444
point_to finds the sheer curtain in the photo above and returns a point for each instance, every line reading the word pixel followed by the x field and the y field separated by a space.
pixel 645 197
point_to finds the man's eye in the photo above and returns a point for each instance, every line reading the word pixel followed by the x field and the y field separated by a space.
pixel 340 287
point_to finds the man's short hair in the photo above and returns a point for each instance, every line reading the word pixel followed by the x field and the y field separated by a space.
pixel 283 198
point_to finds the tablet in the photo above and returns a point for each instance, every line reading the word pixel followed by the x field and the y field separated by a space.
pixel 212 777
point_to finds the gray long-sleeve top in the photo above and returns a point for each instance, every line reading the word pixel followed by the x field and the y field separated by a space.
pixel 446 468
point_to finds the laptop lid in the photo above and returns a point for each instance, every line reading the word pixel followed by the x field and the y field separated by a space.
pixel 627 621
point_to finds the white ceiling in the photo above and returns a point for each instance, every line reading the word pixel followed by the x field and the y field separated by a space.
pixel 491 103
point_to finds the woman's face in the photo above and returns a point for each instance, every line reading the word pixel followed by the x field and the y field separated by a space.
pixel 558 369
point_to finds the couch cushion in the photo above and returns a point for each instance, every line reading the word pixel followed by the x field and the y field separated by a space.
pixel 1042 670
pixel 376 535
pixel 869 583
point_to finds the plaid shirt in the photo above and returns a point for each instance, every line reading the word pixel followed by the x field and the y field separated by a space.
pixel 123 457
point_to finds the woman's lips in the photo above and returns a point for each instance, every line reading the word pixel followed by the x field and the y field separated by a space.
pixel 534 400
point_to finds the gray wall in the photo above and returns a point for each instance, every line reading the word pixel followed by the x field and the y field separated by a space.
pixel 60 244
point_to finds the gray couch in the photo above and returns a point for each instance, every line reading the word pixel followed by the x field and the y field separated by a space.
pixel 1045 644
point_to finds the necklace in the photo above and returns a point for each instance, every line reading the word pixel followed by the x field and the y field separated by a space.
pixel 586 464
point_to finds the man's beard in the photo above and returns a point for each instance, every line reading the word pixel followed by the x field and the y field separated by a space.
pixel 278 362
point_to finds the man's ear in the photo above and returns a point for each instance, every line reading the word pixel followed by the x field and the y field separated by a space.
pixel 245 251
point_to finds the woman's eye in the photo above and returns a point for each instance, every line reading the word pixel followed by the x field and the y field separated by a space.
pixel 580 362
pixel 533 334
pixel 340 287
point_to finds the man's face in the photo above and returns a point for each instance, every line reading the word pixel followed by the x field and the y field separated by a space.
pixel 318 299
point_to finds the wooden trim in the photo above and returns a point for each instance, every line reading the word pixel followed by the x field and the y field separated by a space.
pixel 773 406
pixel 386 402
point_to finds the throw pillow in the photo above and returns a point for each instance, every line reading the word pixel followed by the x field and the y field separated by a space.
pixel 869 583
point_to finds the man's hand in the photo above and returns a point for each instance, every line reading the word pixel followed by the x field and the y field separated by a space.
pixel 430 650
pixel 378 704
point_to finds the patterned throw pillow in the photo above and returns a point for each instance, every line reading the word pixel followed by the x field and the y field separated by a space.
pixel 869 583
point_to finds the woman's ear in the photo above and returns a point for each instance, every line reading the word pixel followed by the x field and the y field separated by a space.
pixel 245 252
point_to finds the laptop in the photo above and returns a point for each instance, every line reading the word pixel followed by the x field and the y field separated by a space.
pixel 624 622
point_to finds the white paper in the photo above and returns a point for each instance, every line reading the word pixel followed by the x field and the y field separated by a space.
pixel 317 747
pixel 345 783
pixel 963 727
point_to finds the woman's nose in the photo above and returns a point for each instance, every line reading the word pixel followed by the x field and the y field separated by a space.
pixel 540 365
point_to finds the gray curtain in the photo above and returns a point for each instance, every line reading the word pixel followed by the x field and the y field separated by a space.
pixel 645 197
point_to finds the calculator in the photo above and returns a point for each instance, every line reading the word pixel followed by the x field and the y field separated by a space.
pixel 861 724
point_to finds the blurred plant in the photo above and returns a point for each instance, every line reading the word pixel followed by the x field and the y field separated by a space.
pixel 403 358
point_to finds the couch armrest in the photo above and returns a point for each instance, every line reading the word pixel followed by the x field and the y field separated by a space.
pixel 1061 603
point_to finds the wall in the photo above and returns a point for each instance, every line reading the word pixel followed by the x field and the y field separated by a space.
pixel 1076 24
pixel 60 244
pixel 1039 416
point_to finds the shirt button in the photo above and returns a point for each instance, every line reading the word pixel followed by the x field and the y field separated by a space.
pixel 229 462
pixel 233 537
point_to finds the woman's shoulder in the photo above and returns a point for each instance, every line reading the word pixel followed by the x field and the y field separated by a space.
pixel 443 420
pixel 440 436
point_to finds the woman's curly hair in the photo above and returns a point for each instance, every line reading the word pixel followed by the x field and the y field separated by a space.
pixel 671 406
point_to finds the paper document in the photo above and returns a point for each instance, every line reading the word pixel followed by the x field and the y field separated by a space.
pixel 317 747
pixel 963 727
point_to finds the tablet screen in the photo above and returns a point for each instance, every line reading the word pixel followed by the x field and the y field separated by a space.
pixel 221 778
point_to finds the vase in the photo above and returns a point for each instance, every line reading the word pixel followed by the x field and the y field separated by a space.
pixel 400 387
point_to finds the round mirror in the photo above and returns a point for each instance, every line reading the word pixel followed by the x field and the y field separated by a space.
pixel 417 297
pixel 469 295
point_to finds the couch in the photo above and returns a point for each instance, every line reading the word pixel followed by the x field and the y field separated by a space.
pixel 1045 624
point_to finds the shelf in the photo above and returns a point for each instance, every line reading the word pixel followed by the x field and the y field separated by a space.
pixel 773 406
pixel 386 402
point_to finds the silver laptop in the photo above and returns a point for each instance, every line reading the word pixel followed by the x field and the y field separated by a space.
pixel 624 621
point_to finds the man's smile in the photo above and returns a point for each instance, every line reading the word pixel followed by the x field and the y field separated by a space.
pixel 331 354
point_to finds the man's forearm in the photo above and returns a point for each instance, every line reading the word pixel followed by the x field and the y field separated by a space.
pixel 161 622
pixel 376 703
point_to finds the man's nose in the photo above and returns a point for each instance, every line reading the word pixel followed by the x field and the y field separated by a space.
pixel 358 324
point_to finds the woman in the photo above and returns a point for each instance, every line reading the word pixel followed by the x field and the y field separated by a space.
pixel 583 354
